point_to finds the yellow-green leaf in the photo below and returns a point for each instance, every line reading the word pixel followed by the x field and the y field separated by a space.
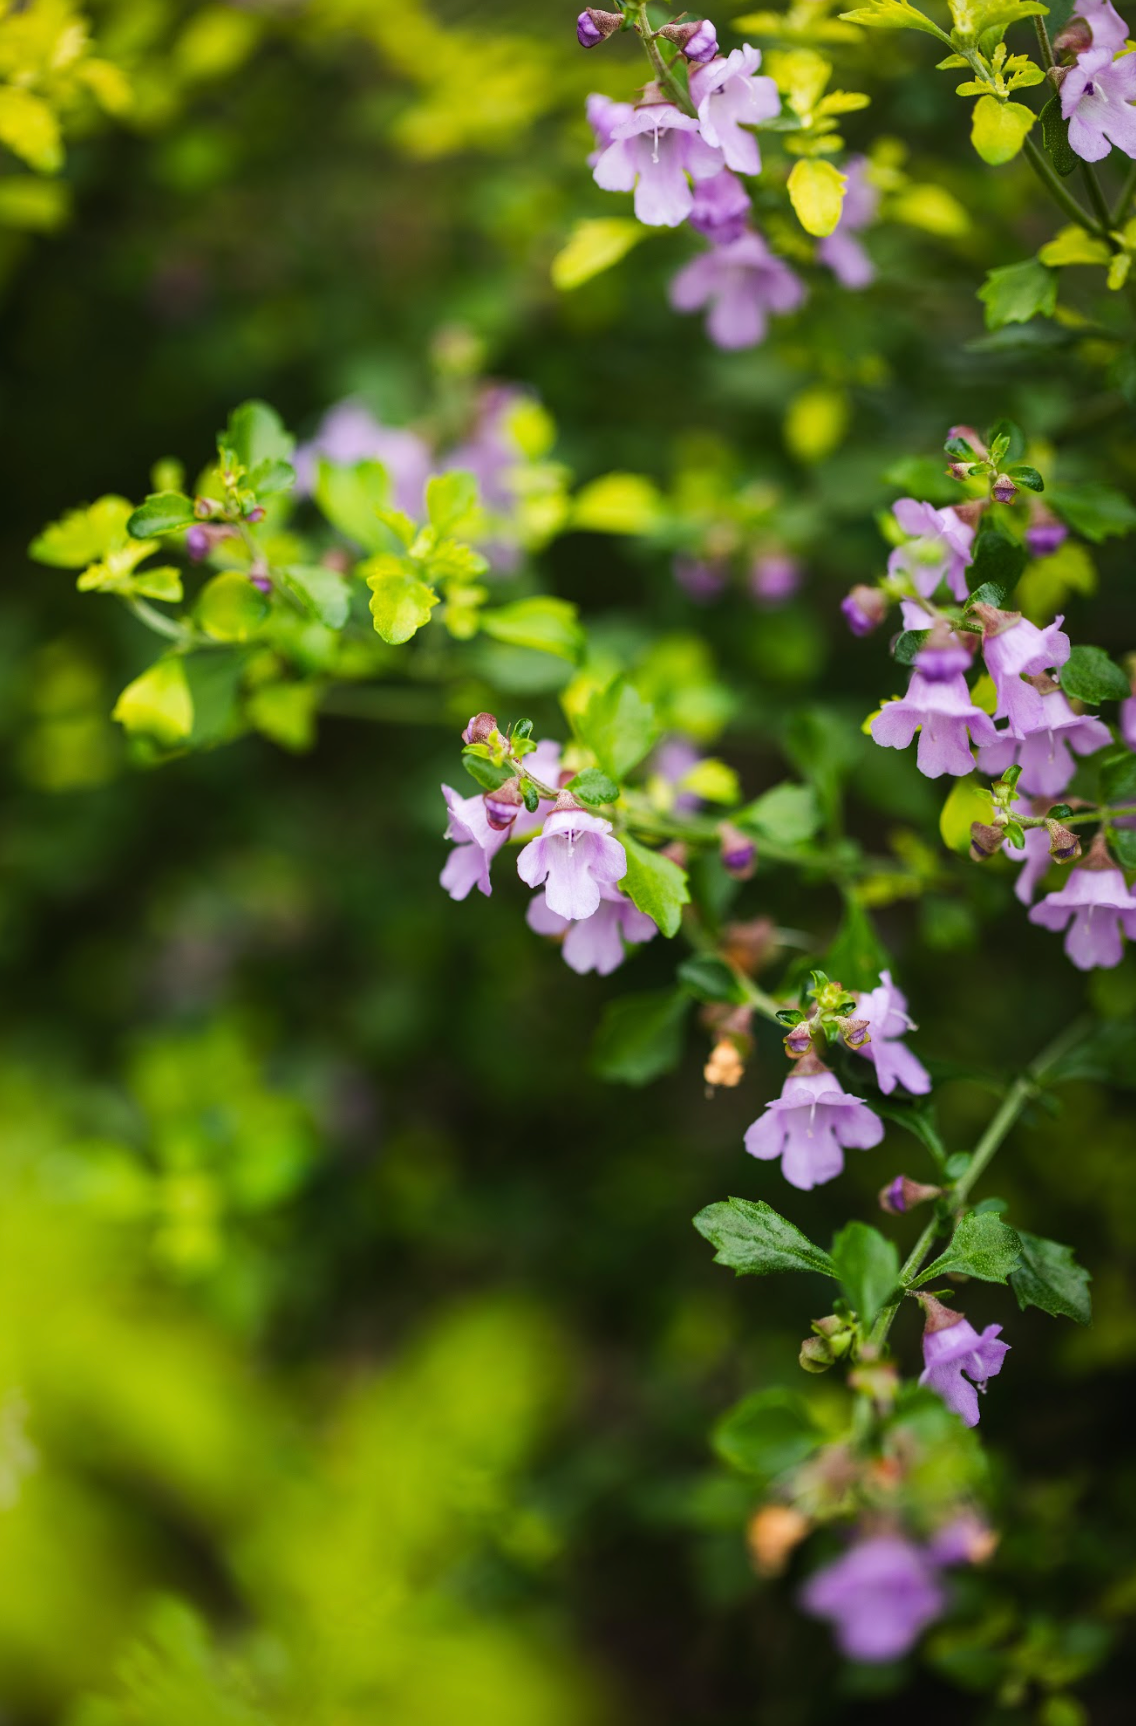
pixel 158 704
pixel 816 191
pixel 1074 246
pixel 29 129
pixel 998 129
pixel 592 247
pixel 969 801
pixel 931 208
pixel 816 421
pixel 400 602
pixel 36 206
pixel 618 503
pixel 230 608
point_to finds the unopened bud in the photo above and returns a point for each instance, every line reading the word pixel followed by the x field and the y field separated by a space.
pixel 864 609
pixel 336 558
pixel 738 852
pixel 480 728
pixel 257 513
pixel 566 799
pixel 959 470
pixel 878 1379
pixel 773 1532
pixel 503 805
pixel 699 41
pixel 1074 38
pixel 1064 845
pixel 747 946
pixel 936 1316
pixel 816 1355
pixel 594 27
pixel 799 1041
pixel 261 580
pixel 1099 855
pixel 1003 490
pixel 856 1032
pixel 985 841
pixel 204 507
pixel 970 436
pixel 725 1065
pixel 201 538
pixel 902 1195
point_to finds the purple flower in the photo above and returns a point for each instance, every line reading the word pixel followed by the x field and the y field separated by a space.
pixel 652 152
pixel 671 761
pixel 575 855
pixel 1046 763
pixel 1108 27
pixel 940 663
pixel 476 844
pixel 1014 648
pixel 741 283
pixel 1045 533
pixel 885 1009
pixel 491 452
pixel 774 577
pixel 1127 718
pixel 954 1354
pixel 939 546
pixel 845 256
pixel 702 45
pixel 810 1126
pixel 604 116
pixel 729 96
pixel 946 713
pixel 594 943
pixel 721 208
pixel 699 579
pixel 348 433
pixel 864 609
pixel 1099 903
pixel 965 1539
pixel 879 1596
pixel 1095 99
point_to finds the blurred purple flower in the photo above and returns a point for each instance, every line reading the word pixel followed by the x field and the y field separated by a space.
pixel 700 579
pixel 651 153
pixel 741 282
pixel 843 255
pixel 810 1125
pixel 594 943
pixel 1095 99
pixel 672 760
pixel 774 576
pixel 879 1597
pixel 946 714
pixel 885 1009
pixel 349 432
pixel 721 208
pixel 728 96
pixel 1128 721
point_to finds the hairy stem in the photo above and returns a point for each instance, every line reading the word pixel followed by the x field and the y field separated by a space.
pixel 1098 202
pixel 666 78
pixel 1059 193
pixel 1044 43
pixel 1124 202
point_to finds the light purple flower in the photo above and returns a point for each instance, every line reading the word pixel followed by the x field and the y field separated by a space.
pixel 672 760
pixel 885 1009
pixel 954 1355
pixel 946 714
pixel 700 579
pixel 1020 650
pixel 721 208
pixel 1127 718
pixel 543 764
pixel 741 282
pixel 879 1597
pixel 1099 904
pixel 939 547
pixel 843 254
pixel 1108 27
pixel 774 576
pixel 729 96
pixel 1045 533
pixel 604 115
pixel 594 943
pixel 810 1126
pixel 1045 759
pixel 575 854
pixel 940 663
pixel 349 433
pixel 651 153
pixel 1095 98
pixel 475 845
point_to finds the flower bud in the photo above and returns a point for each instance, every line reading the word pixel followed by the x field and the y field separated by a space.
pixel 1064 845
pixel 816 1355
pixel 204 507
pixel 747 946
pixel 985 841
pixel 1045 533
pixel 738 852
pixel 800 1040
pixel 197 543
pixel 503 805
pixel 594 27
pixel 936 1316
pixel 480 728
pixel 1003 490
pixel 725 1065
pixel 877 1379
pixel 902 1195
pixel 970 436
pixel 1074 38
pixel 257 513
pixel 261 580
pixel 774 1531
pixel 864 609
pixel 959 470
pixel 698 41
pixel 676 851
pixel 856 1032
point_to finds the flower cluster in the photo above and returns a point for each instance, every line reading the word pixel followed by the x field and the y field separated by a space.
pixel 1097 82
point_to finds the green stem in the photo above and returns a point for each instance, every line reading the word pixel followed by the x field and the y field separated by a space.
pixel 1060 195
pixel 1097 200
pixel 912 1264
pixel 1124 202
pixel 1044 43
pixel 666 78
pixel 160 623
pixel 1078 820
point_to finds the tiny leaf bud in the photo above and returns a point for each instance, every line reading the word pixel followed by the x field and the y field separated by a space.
pixel 816 1355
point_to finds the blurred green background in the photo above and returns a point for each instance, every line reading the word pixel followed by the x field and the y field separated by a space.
pixel 357 1358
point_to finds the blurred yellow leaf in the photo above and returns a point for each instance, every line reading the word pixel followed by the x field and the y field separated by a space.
pixel 816 191
pixel 969 801
pixel 592 247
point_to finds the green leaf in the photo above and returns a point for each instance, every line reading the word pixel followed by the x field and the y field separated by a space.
pixel 162 582
pixel 1055 138
pixel 1118 777
pixel 619 727
pixel 997 557
pixel 255 434
pixel 998 129
pixel 158 704
pixel 766 1434
pixel 547 625
pixel 286 713
pixel 214 685
pixel 655 885
pixel 857 956
pixel 489 774
pixel 753 1239
pixel 1094 510
pixel 640 1036
pixel 268 478
pixel 592 247
pixel 1049 1277
pixel 163 512
pixel 351 498
pixel 867 1265
pixel 450 497
pixel 230 608
pixel 592 786
pixel 28 126
pixel 1015 293
pixel 1122 840
pixel 893 15
pixel 969 800
pixel 919 1117
pixel 982 1246
pixel 400 602
pixel 786 814
pixel 988 593
pixel 709 978
pixel 1027 476
pixel 908 644
pixel 1090 675
pixel 1073 245
pixel 317 591
pixel 83 535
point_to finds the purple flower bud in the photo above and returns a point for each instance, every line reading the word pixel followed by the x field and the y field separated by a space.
pixel 985 841
pixel 864 609
pixel 799 1041
pixel 480 728
pixel 197 543
pixel 857 1033
pixel 256 514
pixel 902 1195
pixel 739 853
pixel 1004 490
pixel 503 805
pixel 1064 844
pixel 699 41
pixel 261 580
pixel 594 27
pixel 1075 38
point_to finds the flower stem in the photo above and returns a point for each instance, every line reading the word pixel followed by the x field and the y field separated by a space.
pixel 1097 200
pixel 159 622
pixel 1044 43
pixel 1124 202
pixel 1059 193
pixel 1102 814
pixel 666 78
